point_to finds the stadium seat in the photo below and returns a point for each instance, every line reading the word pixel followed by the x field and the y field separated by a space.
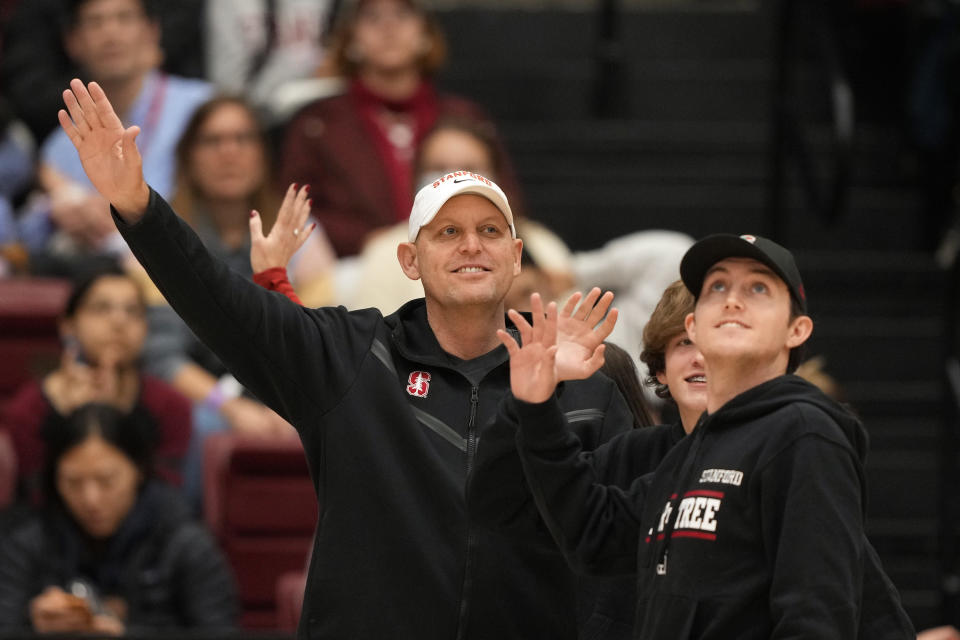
pixel 29 340
pixel 8 470
pixel 260 504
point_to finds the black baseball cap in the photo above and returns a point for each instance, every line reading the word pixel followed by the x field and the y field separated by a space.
pixel 710 250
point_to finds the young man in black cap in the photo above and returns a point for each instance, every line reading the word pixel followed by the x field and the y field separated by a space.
pixel 752 526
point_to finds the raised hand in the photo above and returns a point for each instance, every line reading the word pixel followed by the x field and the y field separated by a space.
pixel 107 150
pixel 581 331
pixel 287 234
pixel 533 374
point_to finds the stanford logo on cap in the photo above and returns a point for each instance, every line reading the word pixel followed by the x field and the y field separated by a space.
pixel 418 384
pixel 750 239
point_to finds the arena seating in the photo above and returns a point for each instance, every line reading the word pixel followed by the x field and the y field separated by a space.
pixel 29 341
pixel 260 504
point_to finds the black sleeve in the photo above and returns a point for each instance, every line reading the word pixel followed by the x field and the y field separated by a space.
pixel 498 496
pixel 882 616
pixel 595 525
pixel 19 575
pixel 299 362
pixel 630 455
pixel 812 528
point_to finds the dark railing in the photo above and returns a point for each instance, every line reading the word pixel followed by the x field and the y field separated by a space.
pixel 802 26
pixel 610 83
pixel 949 487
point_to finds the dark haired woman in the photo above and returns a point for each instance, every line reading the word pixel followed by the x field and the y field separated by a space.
pixel 112 551
pixel 103 328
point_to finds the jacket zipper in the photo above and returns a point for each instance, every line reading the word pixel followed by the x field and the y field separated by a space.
pixel 471 537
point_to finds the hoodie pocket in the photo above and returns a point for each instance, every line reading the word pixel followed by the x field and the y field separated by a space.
pixel 665 615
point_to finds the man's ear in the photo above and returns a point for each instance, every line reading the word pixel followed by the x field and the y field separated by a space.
pixel 662 377
pixel 517 253
pixel 407 255
pixel 690 325
pixel 800 329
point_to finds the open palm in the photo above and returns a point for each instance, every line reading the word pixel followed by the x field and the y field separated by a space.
pixel 533 375
pixel 107 150
pixel 287 234
pixel 581 331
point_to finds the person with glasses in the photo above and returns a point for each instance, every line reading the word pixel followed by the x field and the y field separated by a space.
pixel 103 330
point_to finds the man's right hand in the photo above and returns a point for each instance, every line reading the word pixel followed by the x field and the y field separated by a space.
pixel 107 151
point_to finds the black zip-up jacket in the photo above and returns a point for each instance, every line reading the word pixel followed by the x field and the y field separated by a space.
pixel 165 566
pixel 751 527
pixel 389 424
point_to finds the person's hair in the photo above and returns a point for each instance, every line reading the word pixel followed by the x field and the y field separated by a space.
pixel 73 8
pixel 666 322
pixel 480 130
pixel 130 433
pixel 186 194
pixel 341 40
pixel 83 281
pixel 619 367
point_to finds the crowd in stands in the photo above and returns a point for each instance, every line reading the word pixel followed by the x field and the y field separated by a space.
pixel 236 101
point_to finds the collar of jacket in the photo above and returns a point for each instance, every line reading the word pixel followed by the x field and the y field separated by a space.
pixel 414 339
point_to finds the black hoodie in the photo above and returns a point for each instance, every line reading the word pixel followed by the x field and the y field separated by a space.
pixel 752 527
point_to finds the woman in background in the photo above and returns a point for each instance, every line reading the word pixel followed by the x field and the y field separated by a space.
pixel 222 175
pixel 112 551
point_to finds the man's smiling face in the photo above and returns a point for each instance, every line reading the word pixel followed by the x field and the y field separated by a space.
pixel 466 256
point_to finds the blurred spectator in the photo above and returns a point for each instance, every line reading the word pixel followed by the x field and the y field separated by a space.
pixel 116 43
pixel 258 46
pixel 16 173
pixel 222 174
pixel 637 267
pixel 356 151
pixel 112 551
pixel 546 267
pixel 103 328
pixel 35 66
pixel 814 371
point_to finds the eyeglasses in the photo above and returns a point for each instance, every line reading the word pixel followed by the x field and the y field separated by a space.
pixel 216 140
pixel 103 308
pixel 93 21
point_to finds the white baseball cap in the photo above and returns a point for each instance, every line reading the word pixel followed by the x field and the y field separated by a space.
pixel 435 194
